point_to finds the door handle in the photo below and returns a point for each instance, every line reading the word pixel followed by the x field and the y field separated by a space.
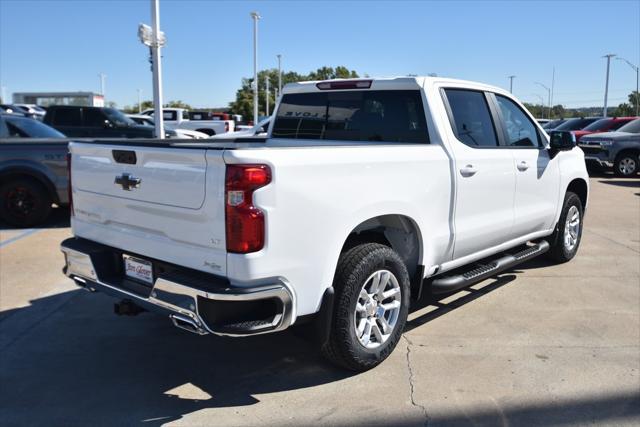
pixel 523 166
pixel 468 170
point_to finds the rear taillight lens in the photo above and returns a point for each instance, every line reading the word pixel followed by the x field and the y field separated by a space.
pixel 226 126
pixel 69 190
pixel 244 222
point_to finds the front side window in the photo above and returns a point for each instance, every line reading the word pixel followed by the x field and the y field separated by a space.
pixel 471 119
pixel 383 115
pixel 520 130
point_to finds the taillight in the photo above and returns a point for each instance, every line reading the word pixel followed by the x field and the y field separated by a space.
pixel 226 126
pixel 69 191
pixel 244 222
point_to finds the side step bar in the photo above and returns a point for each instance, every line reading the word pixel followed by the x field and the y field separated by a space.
pixel 453 283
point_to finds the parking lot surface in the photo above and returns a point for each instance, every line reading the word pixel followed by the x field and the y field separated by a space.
pixel 541 344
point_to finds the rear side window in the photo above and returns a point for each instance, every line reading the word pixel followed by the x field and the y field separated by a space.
pixel 519 129
pixel 383 115
pixel 471 119
pixel 67 117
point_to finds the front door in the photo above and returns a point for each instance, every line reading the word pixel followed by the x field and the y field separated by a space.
pixel 537 175
pixel 484 174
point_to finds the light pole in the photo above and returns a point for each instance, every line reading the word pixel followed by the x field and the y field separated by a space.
pixel 637 70
pixel 541 102
pixel 139 101
pixel 266 93
pixel 255 16
pixel 549 97
pixel 279 73
pixel 155 39
pixel 3 90
pixel 553 82
pixel 511 83
pixel 102 76
pixel 606 85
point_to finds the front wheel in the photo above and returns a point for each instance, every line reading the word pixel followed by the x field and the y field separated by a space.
pixel 565 240
pixel 626 164
pixel 372 302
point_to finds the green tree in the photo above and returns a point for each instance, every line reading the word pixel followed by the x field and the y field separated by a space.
pixel 177 104
pixel 243 103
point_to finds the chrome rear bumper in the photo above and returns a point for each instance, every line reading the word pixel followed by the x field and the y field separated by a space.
pixel 189 305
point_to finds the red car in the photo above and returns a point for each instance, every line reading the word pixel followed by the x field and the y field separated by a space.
pixel 607 124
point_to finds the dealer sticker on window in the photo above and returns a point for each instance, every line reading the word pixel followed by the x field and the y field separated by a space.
pixel 138 269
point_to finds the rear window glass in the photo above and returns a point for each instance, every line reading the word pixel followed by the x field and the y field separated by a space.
pixel 599 125
pixel 388 116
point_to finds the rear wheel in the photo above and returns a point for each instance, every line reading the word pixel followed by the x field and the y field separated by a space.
pixel 371 307
pixel 626 164
pixel 565 240
pixel 24 202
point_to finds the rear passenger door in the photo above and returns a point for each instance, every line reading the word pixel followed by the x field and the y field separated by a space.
pixel 537 175
pixel 68 120
pixel 484 173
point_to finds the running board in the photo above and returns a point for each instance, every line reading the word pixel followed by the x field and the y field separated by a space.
pixel 453 283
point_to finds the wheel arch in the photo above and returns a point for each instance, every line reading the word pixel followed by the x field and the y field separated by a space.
pixel 17 172
pixel 400 232
pixel 581 189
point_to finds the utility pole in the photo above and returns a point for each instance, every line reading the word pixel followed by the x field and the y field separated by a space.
pixel 548 97
pixel 637 70
pixel 3 90
pixel 102 77
pixel 158 118
pixel 279 74
pixel 606 85
pixel 139 101
pixel 255 17
pixel 266 93
pixel 511 83
pixel 155 39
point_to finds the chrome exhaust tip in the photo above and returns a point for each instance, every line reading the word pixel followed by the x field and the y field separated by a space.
pixel 187 323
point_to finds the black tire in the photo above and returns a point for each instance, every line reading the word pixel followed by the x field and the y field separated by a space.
pixel 558 251
pixel 24 202
pixel 627 164
pixel 354 268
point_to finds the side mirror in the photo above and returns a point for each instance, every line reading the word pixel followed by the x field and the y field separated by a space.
pixel 562 140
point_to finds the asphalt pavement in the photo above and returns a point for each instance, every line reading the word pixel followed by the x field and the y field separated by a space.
pixel 541 344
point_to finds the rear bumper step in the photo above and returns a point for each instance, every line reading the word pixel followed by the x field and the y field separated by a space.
pixel 453 283
pixel 192 302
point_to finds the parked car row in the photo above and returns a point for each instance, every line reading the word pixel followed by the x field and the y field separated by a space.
pixel 619 149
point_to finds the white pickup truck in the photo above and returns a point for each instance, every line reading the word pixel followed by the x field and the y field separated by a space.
pixel 364 193
pixel 179 118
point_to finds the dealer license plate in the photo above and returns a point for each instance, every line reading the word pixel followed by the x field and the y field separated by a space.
pixel 138 269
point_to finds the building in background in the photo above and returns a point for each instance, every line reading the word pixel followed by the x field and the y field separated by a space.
pixel 90 99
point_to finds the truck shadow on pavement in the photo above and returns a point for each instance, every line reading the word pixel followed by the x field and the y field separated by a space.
pixel 70 361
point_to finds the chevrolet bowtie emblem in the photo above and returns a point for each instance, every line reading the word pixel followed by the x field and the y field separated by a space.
pixel 127 182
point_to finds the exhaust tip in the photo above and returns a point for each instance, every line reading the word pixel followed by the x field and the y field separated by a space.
pixel 187 323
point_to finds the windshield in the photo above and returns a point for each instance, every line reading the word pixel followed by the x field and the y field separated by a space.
pixel 576 124
pixel 631 127
pixel 23 127
pixel 117 117
pixel 601 124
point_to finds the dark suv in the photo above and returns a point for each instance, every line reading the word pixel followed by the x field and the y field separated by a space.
pixel 95 122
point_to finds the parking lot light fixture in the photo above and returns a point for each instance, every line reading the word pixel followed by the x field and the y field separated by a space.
pixel 102 76
pixel 606 84
pixel 155 39
pixel 549 97
pixel 139 101
pixel 255 16
pixel 637 70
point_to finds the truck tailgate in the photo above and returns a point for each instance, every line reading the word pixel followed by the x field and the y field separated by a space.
pixel 166 203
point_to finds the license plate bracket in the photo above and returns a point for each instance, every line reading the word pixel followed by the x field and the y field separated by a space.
pixel 138 269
